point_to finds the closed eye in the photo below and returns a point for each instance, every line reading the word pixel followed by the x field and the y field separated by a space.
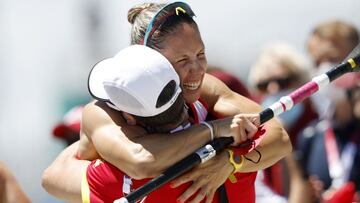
pixel 181 60
pixel 201 55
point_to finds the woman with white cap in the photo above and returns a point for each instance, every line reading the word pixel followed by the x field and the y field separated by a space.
pixel 171 30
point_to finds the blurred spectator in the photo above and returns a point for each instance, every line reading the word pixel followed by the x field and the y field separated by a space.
pixel 331 41
pixel 328 150
pixel 278 71
pixel 68 129
pixel 328 45
pixel 10 190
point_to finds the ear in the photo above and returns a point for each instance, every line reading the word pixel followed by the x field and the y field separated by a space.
pixel 130 119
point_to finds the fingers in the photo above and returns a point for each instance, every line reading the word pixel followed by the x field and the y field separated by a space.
pixel 203 192
pixel 316 185
pixel 191 176
pixel 181 180
pixel 210 196
pixel 237 127
pixel 205 179
pixel 244 127
pixel 191 191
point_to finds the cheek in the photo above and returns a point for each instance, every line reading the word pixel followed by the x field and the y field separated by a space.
pixel 182 73
pixel 203 64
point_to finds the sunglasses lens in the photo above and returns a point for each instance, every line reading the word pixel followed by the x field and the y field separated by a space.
pixel 283 83
pixel 262 86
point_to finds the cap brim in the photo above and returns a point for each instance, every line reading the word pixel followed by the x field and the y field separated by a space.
pixel 96 78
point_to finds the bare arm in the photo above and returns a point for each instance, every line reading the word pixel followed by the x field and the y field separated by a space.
pixel 10 190
pixel 62 178
pixel 131 149
pixel 222 101
pixel 299 187
pixel 86 149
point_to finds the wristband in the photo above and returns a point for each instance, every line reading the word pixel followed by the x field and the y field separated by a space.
pixel 211 129
pixel 237 161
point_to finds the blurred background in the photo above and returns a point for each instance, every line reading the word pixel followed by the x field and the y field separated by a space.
pixel 48 47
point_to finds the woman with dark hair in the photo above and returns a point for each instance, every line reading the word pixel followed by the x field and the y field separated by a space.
pixel 171 30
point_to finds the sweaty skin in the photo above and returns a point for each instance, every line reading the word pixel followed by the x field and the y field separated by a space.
pixel 105 133
pixel 127 148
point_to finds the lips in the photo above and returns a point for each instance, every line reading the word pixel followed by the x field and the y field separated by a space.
pixel 191 85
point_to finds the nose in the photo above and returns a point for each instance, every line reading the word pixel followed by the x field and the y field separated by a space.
pixel 197 67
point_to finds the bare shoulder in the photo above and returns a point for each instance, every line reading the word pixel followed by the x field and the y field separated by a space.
pixel 101 113
pixel 97 115
pixel 211 83
pixel 213 89
pixel 222 101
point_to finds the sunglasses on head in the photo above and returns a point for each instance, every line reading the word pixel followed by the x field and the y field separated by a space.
pixel 283 82
pixel 176 8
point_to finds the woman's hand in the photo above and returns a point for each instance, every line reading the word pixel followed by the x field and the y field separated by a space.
pixel 242 127
pixel 316 187
pixel 206 178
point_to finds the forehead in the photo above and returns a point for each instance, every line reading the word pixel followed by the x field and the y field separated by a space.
pixel 184 40
pixel 270 68
pixel 316 42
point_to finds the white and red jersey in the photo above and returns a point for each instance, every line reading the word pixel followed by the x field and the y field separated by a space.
pixel 104 183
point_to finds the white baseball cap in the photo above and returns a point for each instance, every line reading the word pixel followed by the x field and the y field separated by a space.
pixel 132 81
